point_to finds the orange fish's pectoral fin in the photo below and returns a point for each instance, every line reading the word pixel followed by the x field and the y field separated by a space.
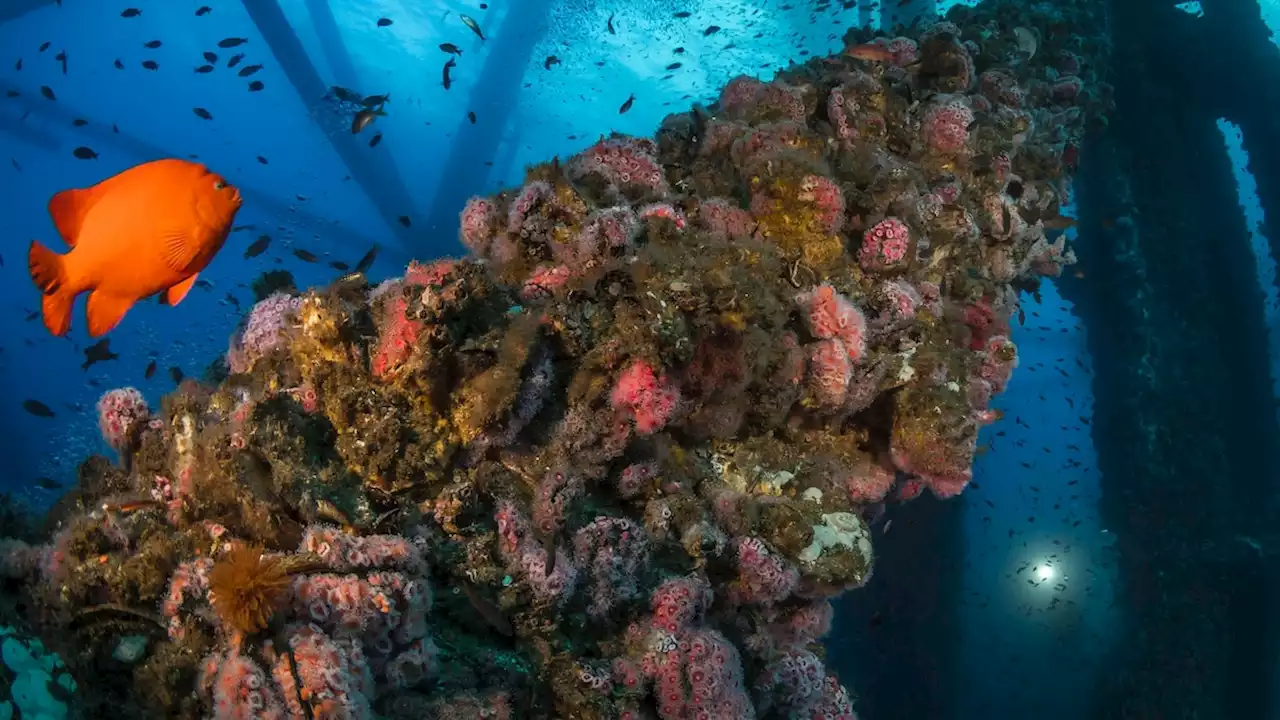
pixel 180 250
pixel 68 209
pixel 105 311
pixel 174 295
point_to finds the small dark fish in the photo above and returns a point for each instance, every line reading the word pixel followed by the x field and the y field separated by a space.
pixel 475 26
pixel 12 93
pixel 682 14
pixel 451 48
pixel 203 10
pixel 119 65
pixel 256 86
pixel 373 141
pixel 258 247
pixel 131 13
pixel 37 408
pixel 472 117
pixel 487 610
pixel 211 57
pixel 305 255
pixel 447 81
pixel 18 65
pixel 202 113
pixel 711 30
pixel 234 60
pixel 204 69
pixel 44 46
pixel 234 302
pixel 248 70
pixel 344 95
pixel 45 483
pixel 675 66
pixel 627 105
pixel 47 92
pixel 376 101
pixel 232 42
pixel 551 60
pixel 262 160
pixel 151 64
pixel 363 119
pixel 115 129
pixel 175 372
pixel 98 352
pixel 85 153
pixel 609 25
pixel 16 166
pixel 366 262
pixel 404 220
pixel 153 45
pixel 1059 222
pixel 150 371
pixel 79 122
pixel 339 265
pixel 384 22
pixel 61 57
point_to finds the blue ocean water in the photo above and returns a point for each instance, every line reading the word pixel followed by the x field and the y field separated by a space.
pixel 1035 613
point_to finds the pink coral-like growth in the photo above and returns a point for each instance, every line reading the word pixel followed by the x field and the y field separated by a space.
pixel 946 127
pixel 397 340
pixel 764 576
pixel 884 245
pixel 648 399
pixel 477 223
pixel 261 331
pixel 120 413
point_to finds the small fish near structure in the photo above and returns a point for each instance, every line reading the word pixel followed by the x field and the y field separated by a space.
pixel 37 408
pixel 98 352
pixel 451 49
pixel 364 119
pixel 627 105
pixel 84 153
pixel 446 80
pixel 257 247
pixel 366 261
pixel 175 373
pixel 150 229
pixel 475 26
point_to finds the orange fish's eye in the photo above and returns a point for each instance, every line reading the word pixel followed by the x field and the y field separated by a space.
pixel 219 185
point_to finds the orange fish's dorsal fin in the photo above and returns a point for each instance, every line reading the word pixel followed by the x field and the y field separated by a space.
pixel 104 312
pixel 180 250
pixel 174 295
pixel 68 209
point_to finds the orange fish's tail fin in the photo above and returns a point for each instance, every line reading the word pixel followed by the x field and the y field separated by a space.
pixel 48 272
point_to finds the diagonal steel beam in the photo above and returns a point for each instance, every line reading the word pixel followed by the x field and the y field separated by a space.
pixel 14 9
pixel 497 91
pixel 371 168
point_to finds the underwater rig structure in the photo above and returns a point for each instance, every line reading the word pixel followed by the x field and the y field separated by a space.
pixel 382 478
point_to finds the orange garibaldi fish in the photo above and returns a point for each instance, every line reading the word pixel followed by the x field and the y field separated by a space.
pixel 148 230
